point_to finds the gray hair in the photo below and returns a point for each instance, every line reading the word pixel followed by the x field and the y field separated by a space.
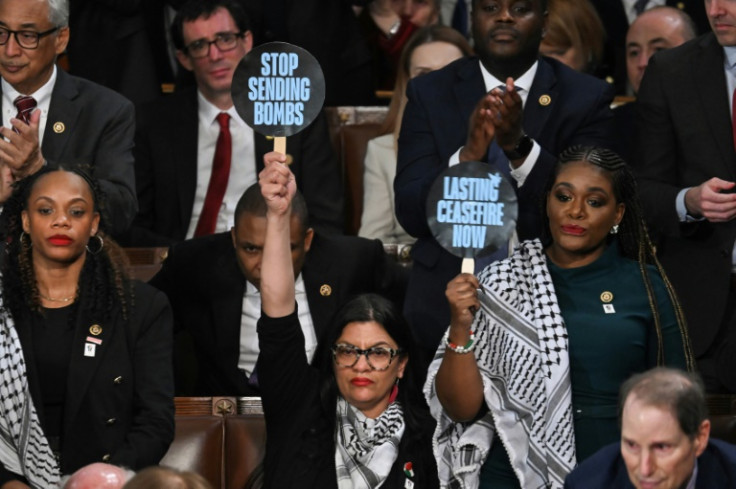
pixel 59 12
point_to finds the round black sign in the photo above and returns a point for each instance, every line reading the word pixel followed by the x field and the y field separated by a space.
pixel 278 89
pixel 472 209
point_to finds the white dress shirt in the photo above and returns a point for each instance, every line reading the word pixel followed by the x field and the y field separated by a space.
pixel 43 102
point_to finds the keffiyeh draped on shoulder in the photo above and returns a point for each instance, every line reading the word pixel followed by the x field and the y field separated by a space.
pixel 521 351
pixel 24 449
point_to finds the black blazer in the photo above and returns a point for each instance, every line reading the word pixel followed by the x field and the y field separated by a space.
pixel 119 404
pixel 206 287
pixel 300 435
pixel 166 170
pixel 89 124
pixel 684 138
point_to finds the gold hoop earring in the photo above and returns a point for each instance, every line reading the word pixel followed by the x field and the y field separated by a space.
pixel 101 241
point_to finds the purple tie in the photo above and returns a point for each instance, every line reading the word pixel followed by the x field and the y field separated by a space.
pixel 25 106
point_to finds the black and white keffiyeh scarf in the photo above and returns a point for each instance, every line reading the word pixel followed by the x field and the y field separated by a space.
pixel 521 351
pixel 366 448
pixel 24 449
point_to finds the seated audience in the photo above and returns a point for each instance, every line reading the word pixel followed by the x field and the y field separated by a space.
pixel 525 382
pixel 86 353
pixel 429 49
pixel 574 36
pixel 654 30
pixel 665 440
pixel 214 282
pixel 78 121
pixel 167 478
pixel 98 476
pixel 195 155
pixel 387 26
pixel 357 421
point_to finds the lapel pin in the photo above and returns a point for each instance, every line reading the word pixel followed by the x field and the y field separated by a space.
pixel 95 329
pixel 89 349
pixel 325 290
pixel 59 127
pixel 606 296
pixel 681 5
pixel 92 339
pixel 545 100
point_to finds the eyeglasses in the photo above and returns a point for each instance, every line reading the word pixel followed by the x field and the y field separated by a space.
pixel 378 357
pixel 25 39
pixel 225 41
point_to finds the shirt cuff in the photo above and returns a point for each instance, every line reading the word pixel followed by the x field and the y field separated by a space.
pixel 526 168
pixel 682 209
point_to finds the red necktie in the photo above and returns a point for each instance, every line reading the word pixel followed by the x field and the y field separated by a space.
pixel 218 180
pixel 25 106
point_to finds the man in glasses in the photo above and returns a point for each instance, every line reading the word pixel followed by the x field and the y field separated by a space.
pixel 213 284
pixel 176 154
pixel 52 118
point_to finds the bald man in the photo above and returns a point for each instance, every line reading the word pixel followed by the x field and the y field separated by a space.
pixel 99 476
pixel 654 30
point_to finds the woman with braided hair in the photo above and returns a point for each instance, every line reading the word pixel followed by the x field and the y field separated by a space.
pixel 525 384
pixel 85 353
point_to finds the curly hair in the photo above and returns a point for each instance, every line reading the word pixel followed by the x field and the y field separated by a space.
pixel 633 237
pixel 103 287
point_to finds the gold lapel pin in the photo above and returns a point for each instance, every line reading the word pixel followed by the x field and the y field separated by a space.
pixel 59 127
pixel 681 5
pixel 606 296
pixel 325 290
pixel 545 100
pixel 95 329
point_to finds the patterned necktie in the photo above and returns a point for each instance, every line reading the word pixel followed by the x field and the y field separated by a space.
pixel 640 5
pixel 218 180
pixel 25 106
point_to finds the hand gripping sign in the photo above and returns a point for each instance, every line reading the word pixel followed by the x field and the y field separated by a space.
pixel 471 211
pixel 278 89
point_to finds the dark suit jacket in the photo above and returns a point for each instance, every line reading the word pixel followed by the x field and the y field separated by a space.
pixel 614 19
pixel 606 468
pixel 119 403
pixel 435 126
pixel 97 130
pixel 684 132
pixel 206 287
pixel 166 171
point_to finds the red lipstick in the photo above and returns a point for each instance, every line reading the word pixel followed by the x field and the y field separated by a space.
pixel 60 240
pixel 361 381
pixel 573 229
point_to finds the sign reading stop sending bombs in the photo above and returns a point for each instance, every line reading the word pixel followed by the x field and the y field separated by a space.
pixel 278 89
pixel 471 209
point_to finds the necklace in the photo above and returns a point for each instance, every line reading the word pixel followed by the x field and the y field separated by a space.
pixel 57 299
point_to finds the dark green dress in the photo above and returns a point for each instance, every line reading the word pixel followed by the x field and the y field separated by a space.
pixel 605 348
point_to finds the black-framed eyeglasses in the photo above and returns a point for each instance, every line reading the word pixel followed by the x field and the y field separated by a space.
pixel 378 357
pixel 225 41
pixel 25 39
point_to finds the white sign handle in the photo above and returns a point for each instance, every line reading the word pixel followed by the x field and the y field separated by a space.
pixel 468 266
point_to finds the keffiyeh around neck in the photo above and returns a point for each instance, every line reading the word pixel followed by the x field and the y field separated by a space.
pixel 521 351
pixel 24 449
pixel 366 449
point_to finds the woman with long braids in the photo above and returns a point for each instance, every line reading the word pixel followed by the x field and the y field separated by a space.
pixel 526 381
pixel 85 353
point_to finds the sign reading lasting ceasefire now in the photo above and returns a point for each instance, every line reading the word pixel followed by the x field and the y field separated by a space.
pixel 278 89
pixel 471 209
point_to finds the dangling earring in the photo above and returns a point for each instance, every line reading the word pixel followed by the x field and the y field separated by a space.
pixel 614 229
pixel 102 243
pixel 394 391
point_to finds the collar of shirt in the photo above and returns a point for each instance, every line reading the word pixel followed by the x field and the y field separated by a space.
pixel 42 96
pixel 691 484
pixel 208 112
pixel 523 83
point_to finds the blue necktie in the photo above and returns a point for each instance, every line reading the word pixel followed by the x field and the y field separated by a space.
pixel 460 18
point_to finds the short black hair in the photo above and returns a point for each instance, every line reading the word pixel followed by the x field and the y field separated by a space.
pixel 194 9
pixel 543 3
pixel 252 202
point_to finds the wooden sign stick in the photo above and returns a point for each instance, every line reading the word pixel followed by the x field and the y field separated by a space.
pixel 279 144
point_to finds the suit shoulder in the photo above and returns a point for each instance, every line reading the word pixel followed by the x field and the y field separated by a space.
pixel 438 80
pixel 602 469
pixel 104 95
pixel 673 59
pixel 573 80
pixel 204 248
pixel 339 244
